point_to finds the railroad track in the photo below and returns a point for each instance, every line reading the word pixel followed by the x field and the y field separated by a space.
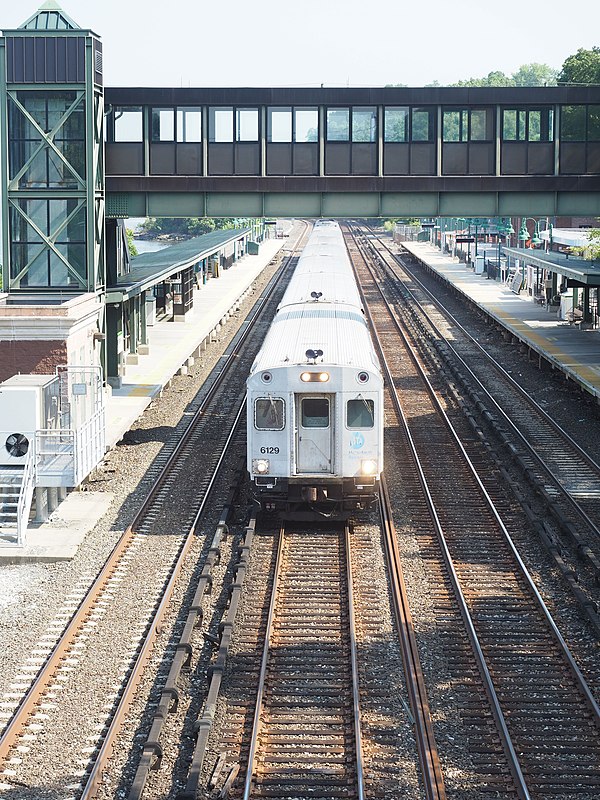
pixel 531 722
pixel 291 705
pixel 566 477
pixel 305 737
pixel 65 725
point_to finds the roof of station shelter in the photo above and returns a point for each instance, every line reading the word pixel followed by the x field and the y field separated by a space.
pixel 587 273
pixel 149 269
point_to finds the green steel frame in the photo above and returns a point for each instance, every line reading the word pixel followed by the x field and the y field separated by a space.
pixel 89 193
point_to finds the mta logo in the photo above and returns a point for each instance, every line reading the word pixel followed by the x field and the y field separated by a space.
pixel 357 440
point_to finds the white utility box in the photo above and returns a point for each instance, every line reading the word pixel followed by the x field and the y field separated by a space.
pixel 28 403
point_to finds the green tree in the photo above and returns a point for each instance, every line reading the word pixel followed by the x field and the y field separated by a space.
pixel 581 67
pixel 590 251
pixel 184 226
pixel 535 75
pixel 495 78
pixel 133 251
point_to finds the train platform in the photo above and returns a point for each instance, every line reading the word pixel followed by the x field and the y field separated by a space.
pixel 565 346
pixel 171 346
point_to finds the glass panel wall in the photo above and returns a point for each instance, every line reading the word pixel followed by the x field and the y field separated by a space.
pixel 396 124
pixel 246 125
pixel 189 124
pixel 364 124
pixel 35 120
pixel 220 124
pixel 528 125
pixel 33 262
pixel 306 125
pixel 163 124
pixel 279 124
pixel 338 124
pixel 422 128
pixel 128 124
pixel 580 123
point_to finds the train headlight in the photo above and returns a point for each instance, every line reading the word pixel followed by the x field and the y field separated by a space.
pixel 260 466
pixel 368 467
pixel 314 377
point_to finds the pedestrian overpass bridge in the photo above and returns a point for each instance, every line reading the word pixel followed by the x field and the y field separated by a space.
pixel 340 152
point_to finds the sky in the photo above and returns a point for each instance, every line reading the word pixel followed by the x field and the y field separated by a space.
pixel 207 43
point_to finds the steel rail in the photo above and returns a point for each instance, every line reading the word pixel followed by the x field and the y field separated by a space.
pixel 135 676
pixel 586 692
pixel 256 725
pixel 360 777
pixel 555 479
pixel 40 685
pixel 433 776
pixel 509 749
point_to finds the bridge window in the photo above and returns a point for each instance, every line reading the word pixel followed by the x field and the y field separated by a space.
pixel 338 124
pixel 364 124
pixel 482 125
pixel 220 124
pixel 464 125
pixel 246 125
pixel 422 126
pixel 163 125
pixel 456 125
pixel 306 125
pixel 580 123
pixel 129 125
pixel 189 124
pixel 528 125
pixel 396 124
pixel 279 124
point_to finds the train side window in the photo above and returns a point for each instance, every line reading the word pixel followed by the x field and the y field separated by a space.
pixel 360 414
pixel 315 412
pixel 269 414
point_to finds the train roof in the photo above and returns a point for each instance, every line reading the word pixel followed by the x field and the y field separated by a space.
pixel 322 280
pixel 339 330
pixel 324 271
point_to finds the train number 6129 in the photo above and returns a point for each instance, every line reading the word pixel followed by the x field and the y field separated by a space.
pixel 269 450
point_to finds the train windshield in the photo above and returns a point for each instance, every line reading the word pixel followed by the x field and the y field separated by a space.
pixel 360 414
pixel 269 414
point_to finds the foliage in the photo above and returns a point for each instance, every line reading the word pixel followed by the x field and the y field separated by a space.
pixel 581 67
pixel 389 224
pixel 184 226
pixel 526 75
pixel 133 251
pixel 590 251
pixel 535 75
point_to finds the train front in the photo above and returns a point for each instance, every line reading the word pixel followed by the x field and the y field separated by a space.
pixel 315 430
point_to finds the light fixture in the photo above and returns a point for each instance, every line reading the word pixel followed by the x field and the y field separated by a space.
pixel 314 377
pixel 368 467
pixel 260 466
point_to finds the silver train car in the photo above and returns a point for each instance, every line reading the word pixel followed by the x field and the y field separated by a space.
pixel 315 392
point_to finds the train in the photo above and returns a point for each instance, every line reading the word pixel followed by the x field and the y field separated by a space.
pixel 315 411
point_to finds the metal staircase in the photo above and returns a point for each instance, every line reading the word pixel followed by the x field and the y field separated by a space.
pixel 16 493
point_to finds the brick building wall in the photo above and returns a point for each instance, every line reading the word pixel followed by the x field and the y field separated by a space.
pixel 38 357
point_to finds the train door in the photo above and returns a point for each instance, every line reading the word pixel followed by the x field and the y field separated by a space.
pixel 314 427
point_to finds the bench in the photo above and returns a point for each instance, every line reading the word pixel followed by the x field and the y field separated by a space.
pixel 575 317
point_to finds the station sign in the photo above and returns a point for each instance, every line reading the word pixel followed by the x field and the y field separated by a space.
pixel 465 239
